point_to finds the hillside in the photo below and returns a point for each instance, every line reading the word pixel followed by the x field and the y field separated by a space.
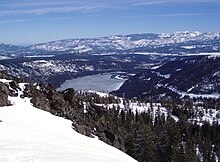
pixel 193 77
pixel 30 134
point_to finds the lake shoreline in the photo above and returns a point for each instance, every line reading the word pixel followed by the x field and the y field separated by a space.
pixel 103 82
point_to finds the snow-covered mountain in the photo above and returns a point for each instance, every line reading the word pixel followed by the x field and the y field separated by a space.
pixel 178 42
pixel 30 134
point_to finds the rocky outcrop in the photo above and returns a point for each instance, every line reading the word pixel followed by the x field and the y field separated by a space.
pixel 88 118
pixel 38 96
pixel 83 129
pixel 4 92
pixel 3 74
pixel 41 102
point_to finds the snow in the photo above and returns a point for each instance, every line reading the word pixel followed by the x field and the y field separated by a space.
pixel 188 47
pixel 84 107
pixel 5 81
pixel 134 106
pixel 209 115
pixel 193 95
pixel 216 73
pixel 32 135
pixel 4 57
pixel 156 67
pixel 82 48
pixel 118 77
pixel 166 76
pixel 190 89
pixel 154 53
pixel 46 67
pixel 101 94
pixel 147 79
pixel 210 54
pixel 36 56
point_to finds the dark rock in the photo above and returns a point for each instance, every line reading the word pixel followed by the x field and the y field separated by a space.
pixel 41 103
pixel 99 109
pixel 83 130
pixel 38 98
pixel 109 135
pixel 119 143
pixel 14 88
pixel 4 92
pixel 14 85
pixel 3 74
pixel 102 137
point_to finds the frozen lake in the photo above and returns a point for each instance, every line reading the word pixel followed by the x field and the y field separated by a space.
pixel 99 82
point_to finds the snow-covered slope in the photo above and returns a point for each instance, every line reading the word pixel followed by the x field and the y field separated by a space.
pixel 32 135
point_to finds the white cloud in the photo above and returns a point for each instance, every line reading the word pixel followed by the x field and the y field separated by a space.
pixel 159 2
pixel 15 7
pixel 12 21
pixel 12 7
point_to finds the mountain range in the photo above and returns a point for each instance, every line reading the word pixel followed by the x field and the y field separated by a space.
pixel 175 43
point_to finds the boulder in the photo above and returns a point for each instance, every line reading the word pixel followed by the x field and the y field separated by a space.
pixel 4 92
pixel 83 130
pixel 14 85
pixel 3 74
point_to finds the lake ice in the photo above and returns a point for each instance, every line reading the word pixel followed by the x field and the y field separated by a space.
pixel 99 82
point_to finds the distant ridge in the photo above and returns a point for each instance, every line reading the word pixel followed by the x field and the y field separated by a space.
pixel 177 42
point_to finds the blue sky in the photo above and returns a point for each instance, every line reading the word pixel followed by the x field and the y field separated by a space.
pixel 35 21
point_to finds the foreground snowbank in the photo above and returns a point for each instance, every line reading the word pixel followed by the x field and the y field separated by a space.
pixel 30 134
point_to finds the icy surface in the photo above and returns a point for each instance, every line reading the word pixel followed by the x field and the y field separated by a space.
pixel 99 82
pixel 32 135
